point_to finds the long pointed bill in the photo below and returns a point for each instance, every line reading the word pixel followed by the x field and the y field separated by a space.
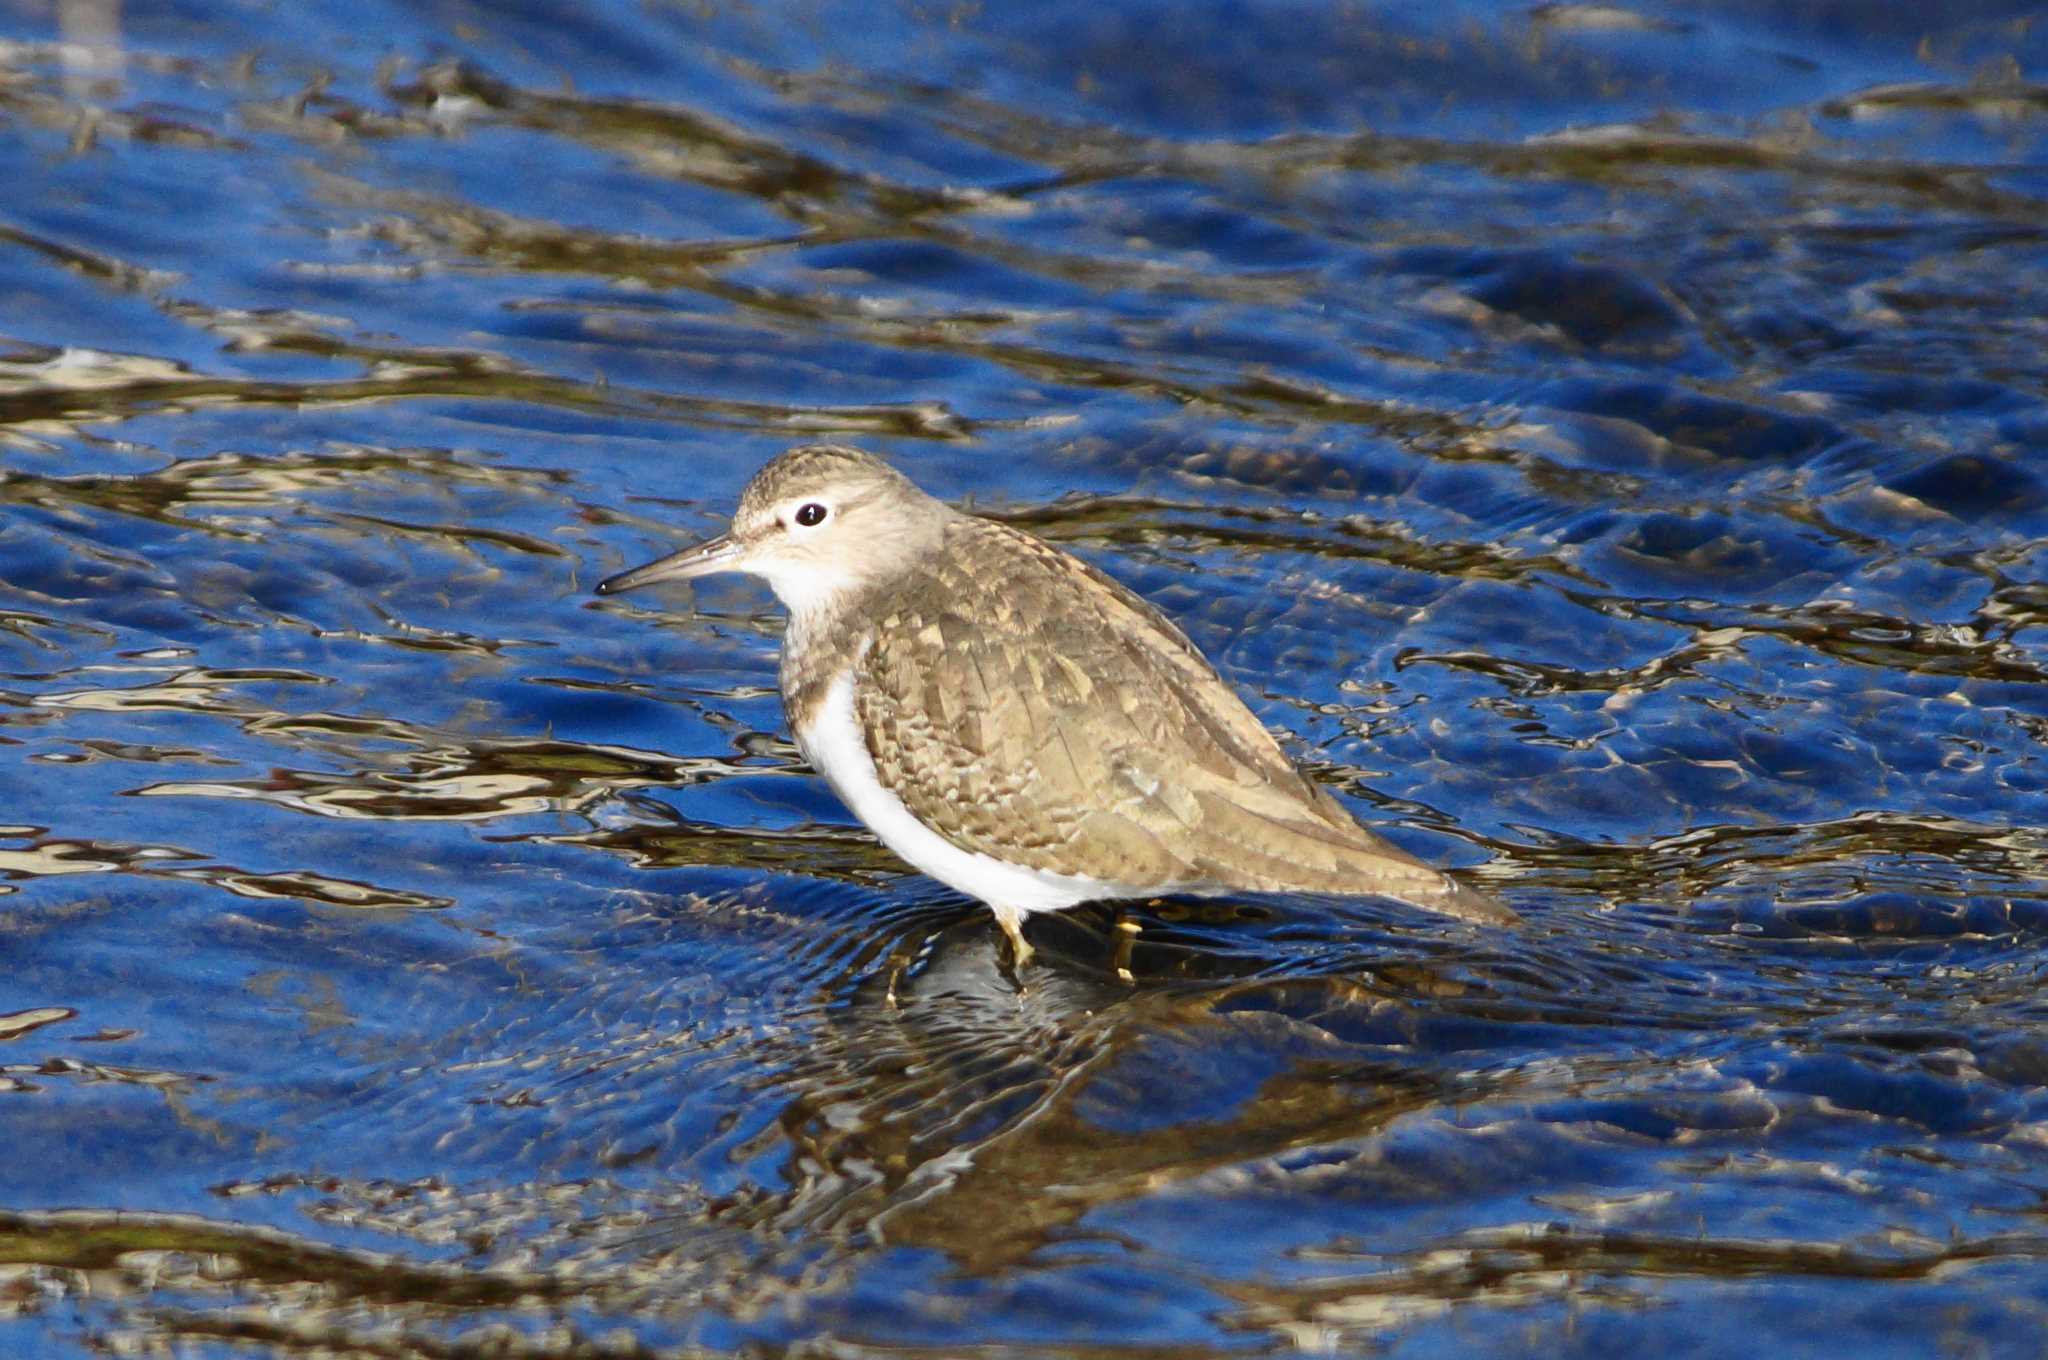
pixel 712 555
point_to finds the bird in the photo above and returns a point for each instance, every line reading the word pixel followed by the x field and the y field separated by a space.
pixel 1016 723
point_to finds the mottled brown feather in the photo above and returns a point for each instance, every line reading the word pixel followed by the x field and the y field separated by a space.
pixel 1024 705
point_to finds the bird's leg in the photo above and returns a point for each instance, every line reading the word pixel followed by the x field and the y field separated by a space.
pixel 1127 932
pixel 900 959
pixel 1012 922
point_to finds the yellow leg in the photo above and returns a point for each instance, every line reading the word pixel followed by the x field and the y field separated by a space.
pixel 1126 935
pixel 899 959
pixel 1012 922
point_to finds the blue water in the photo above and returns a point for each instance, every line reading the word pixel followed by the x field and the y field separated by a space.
pixel 1606 441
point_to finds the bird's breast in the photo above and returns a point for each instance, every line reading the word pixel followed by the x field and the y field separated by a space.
pixel 832 739
pixel 817 651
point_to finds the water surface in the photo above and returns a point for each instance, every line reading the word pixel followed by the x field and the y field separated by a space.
pixel 1605 440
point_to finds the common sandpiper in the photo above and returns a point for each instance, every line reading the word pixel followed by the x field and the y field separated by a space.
pixel 1015 723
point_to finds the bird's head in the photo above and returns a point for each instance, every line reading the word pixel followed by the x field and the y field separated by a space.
pixel 819 522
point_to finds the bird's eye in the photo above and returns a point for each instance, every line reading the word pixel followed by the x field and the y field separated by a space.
pixel 810 514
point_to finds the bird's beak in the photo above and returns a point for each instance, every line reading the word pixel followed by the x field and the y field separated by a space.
pixel 723 553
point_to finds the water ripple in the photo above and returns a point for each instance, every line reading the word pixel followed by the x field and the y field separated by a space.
pixel 1598 439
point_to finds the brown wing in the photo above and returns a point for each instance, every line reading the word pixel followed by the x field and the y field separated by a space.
pixel 1072 728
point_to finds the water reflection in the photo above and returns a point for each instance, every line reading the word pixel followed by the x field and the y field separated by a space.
pixel 1054 1131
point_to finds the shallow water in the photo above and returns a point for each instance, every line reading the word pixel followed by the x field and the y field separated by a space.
pixel 1606 440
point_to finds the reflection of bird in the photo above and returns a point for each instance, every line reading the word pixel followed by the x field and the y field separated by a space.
pixel 1015 723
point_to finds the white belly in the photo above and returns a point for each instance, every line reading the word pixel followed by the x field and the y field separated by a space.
pixel 834 745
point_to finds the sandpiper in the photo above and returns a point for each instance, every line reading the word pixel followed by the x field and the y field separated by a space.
pixel 1015 723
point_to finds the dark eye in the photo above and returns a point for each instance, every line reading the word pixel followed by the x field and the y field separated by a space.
pixel 810 513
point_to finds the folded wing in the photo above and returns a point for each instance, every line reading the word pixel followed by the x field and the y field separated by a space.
pixel 1072 728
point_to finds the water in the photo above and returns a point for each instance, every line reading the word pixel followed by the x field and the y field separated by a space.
pixel 1606 440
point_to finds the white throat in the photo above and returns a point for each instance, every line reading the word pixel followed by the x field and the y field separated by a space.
pixel 805 589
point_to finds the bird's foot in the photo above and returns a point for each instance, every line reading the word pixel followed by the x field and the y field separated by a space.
pixel 1020 948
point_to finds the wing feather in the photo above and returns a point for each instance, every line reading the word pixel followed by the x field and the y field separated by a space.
pixel 1044 714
